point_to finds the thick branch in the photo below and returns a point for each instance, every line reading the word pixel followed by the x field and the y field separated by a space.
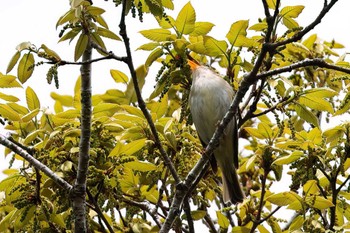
pixel 36 163
pixel 79 189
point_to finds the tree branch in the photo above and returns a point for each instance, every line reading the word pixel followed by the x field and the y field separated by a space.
pixel 79 189
pixel 36 163
pixel 300 34
pixel 141 102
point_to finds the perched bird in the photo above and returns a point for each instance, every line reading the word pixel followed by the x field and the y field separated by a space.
pixel 210 99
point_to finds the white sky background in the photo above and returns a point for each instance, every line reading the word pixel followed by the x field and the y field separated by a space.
pixel 35 20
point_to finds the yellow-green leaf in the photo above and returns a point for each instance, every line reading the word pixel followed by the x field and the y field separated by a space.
pixel 9 98
pixel 98 40
pixel 322 92
pixel 309 42
pixel 68 16
pixel 202 28
pixel 155 7
pixel 344 105
pixel 154 55
pixel 214 47
pixel 149 46
pixel 119 77
pixel 133 110
pixel 271 4
pixel 32 99
pixel 95 10
pixel 65 100
pixel 290 23
pixel 52 54
pixel 196 215
pixel 311 188
pixel 133 147
pixel 142 166
pixel 80 46
pixel 291 11
pixel 316 103
pixel 284 198
pixel 295 155
pixel 222 220
pixel 158 35
pixel 320 203
pixel 13 61
pixel 296 224
pixel 306 114
pixel 9 113
pixel 25 67
pixel 8 81
pixel 29 116
pixel 107 33
pixel 185 21
pixel 237 28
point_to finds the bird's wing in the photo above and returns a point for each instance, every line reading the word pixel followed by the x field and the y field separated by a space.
pixel 235 142
pixel 212 160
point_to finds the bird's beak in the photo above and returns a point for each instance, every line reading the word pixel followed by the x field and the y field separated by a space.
pixel 193 64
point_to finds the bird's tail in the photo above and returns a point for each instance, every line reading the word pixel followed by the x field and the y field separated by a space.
pixel 232 189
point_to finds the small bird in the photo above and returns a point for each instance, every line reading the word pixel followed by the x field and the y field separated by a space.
pixel 210 98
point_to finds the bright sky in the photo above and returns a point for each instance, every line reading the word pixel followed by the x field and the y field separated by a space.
pixel 35 20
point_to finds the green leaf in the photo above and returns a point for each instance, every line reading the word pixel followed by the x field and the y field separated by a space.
pixel 142 166
pixel 25 67
pixel 9 98
pixel 32 99
pixel 133 147
pixel 119 77
pixel 237 28
pixel 222 220
pixel 158 35
pixel 80 46
pixel 306 115
pixel 107 33
pixel 155 7
pixel 13 61
pixel 214 47
pixel 202 28
pixel 185 21
pixel 166 22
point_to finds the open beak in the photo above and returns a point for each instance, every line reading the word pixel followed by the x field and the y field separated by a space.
pixel 193 64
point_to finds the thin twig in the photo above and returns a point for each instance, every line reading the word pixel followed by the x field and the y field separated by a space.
pixel 141 102
pixel 35 163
